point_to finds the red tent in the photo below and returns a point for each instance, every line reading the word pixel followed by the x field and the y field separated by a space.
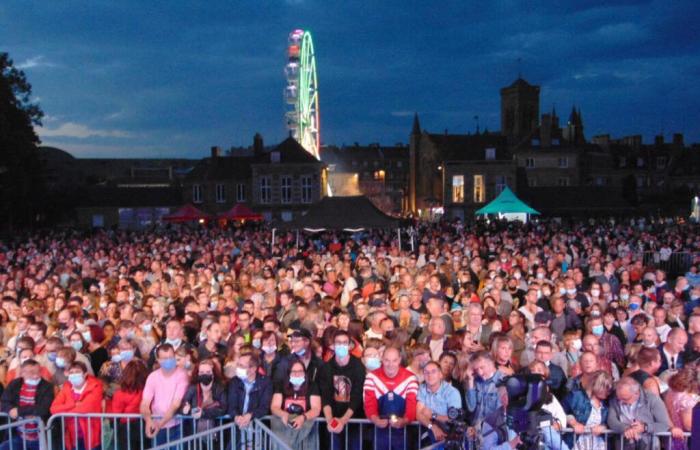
pixel 240 212
pixel 187 213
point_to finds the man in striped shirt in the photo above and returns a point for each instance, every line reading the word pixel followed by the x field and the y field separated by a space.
pixel 390 401
pixel 28 396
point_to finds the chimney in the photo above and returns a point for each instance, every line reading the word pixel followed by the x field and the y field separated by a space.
pixel 215 152
pixel 257 144
pixel 678 140
pixel 659 140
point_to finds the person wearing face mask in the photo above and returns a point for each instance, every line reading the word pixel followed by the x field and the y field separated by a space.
pixel 300 343
pixel 296 402
pixel 26 396
pixel 371 355
pixel 81 394
pixel 111 371
pixel 174 336
pixel 162 397
pixel 93 336
pixel 26 354
pixel 126 400
pixel 271 355
pixel 249 395
pixel 341 380
pixel 612 347
pixel 205 399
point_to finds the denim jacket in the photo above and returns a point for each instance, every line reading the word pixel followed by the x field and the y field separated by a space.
pixel 483 398
pixel 578 404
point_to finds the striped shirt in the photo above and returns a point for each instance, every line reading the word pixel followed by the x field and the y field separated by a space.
pixel 27 397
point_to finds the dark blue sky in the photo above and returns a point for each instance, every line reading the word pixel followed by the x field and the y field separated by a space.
pixel 144 78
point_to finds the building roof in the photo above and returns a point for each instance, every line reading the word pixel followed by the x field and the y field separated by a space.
pixel 576 200
pixel 338 213
pixel 469 147
pixel 290 151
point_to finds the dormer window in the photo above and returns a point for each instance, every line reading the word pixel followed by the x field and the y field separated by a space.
pixel 275 157
pixel 490 154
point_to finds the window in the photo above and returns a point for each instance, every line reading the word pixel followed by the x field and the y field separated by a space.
pixel 623 161
pixel 563 181
pixel 265 190
pixel 501 183
pixel 458 188
pixel 563 162
pixel 220 193
pixel 98 221
pixel 640 162
pixel 286 187
pixel 399 163
pixel 555 141
pixel 660 162
pixel 240 192
pixel 196 193
pixel 490 153
pixel 532 181
pixel 354 163
pixel 530 163
pixel 601 181
pixel 479 191
pixel 306 189
pixel 275 157
pixel 286 216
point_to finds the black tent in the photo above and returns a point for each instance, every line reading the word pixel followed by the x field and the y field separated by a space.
pixel 342 213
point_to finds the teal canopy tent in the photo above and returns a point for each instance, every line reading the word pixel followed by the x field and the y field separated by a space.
pixel 508 206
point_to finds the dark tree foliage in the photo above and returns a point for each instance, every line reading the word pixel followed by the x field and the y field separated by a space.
pixel 21 180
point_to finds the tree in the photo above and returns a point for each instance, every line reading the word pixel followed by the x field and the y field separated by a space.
pixel 21 180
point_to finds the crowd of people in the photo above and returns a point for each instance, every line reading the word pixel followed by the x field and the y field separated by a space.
pixel 209 323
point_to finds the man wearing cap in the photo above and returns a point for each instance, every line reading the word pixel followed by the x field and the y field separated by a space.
pixel 300 345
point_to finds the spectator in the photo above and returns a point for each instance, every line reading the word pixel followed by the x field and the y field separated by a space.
pixel 637 415
pixel 30 395
pixel 680 400
pixel 81 394
pixel 249 394
pixel 587 411
pixel 556 379
pixel 648 360
pixel 296 402
pixel 672 350
pixel 341 382
pixel 502 352
pixel 205 399
pixel 481 380
pixel 300 343
pixel 162 397
pixel 390 400
pixel 127 400
pixel 435 397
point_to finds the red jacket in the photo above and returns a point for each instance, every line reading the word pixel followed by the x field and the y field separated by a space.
pixel 90 401
pixel 124 402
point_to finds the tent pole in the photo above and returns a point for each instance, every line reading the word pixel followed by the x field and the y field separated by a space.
pixel 398 231
pixel 297 239
pixel 272 244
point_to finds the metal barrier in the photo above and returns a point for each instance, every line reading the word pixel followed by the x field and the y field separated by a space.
pixel 678 263
pixel 212 439
pixel 24 434
pixel 120 431
pixel 266 439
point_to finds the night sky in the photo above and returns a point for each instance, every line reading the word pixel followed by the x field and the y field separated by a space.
pixel 154 79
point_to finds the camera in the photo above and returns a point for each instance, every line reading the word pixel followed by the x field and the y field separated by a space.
pixel 527 394
pixel 295 409
pixel 455 429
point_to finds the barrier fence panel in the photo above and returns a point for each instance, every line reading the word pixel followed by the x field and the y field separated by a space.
pixel 24 434
pixel 266 439
pixel 217 438
pixel 123 431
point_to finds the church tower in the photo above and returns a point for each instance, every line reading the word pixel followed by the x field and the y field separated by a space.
pixel 573 133
pixel 520 110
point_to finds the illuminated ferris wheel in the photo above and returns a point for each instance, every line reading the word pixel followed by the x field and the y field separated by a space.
pixel 301 93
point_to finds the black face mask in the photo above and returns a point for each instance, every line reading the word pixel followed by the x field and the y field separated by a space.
pixel 62 326
pixel 205 380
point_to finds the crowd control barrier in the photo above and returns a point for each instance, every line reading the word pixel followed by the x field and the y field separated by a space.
pixel 127 432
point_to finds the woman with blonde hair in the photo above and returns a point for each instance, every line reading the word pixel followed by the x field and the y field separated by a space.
pixel 681 398
pixel 587 411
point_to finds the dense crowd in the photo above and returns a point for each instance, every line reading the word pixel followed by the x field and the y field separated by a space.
pixel 209 322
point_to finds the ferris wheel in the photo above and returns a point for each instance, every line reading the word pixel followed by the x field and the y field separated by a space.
pixel 301 93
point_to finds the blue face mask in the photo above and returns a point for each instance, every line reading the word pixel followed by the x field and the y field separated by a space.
pixel 32 381
pixel 174 342
pixel 147 327
pixel 77 345
pixel 597 330
pixel 372 363
pixel 301 352
pixel 342 351
pixel 297 381
pixel 76 379
pixel 117 358
pixel 51 356
pixel 168 364
pixel 634 306
pixel 126 355
pixel 87 336
pixel 60 362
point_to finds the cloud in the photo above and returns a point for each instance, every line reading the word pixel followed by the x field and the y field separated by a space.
pixel 80 131
pixel 34 62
